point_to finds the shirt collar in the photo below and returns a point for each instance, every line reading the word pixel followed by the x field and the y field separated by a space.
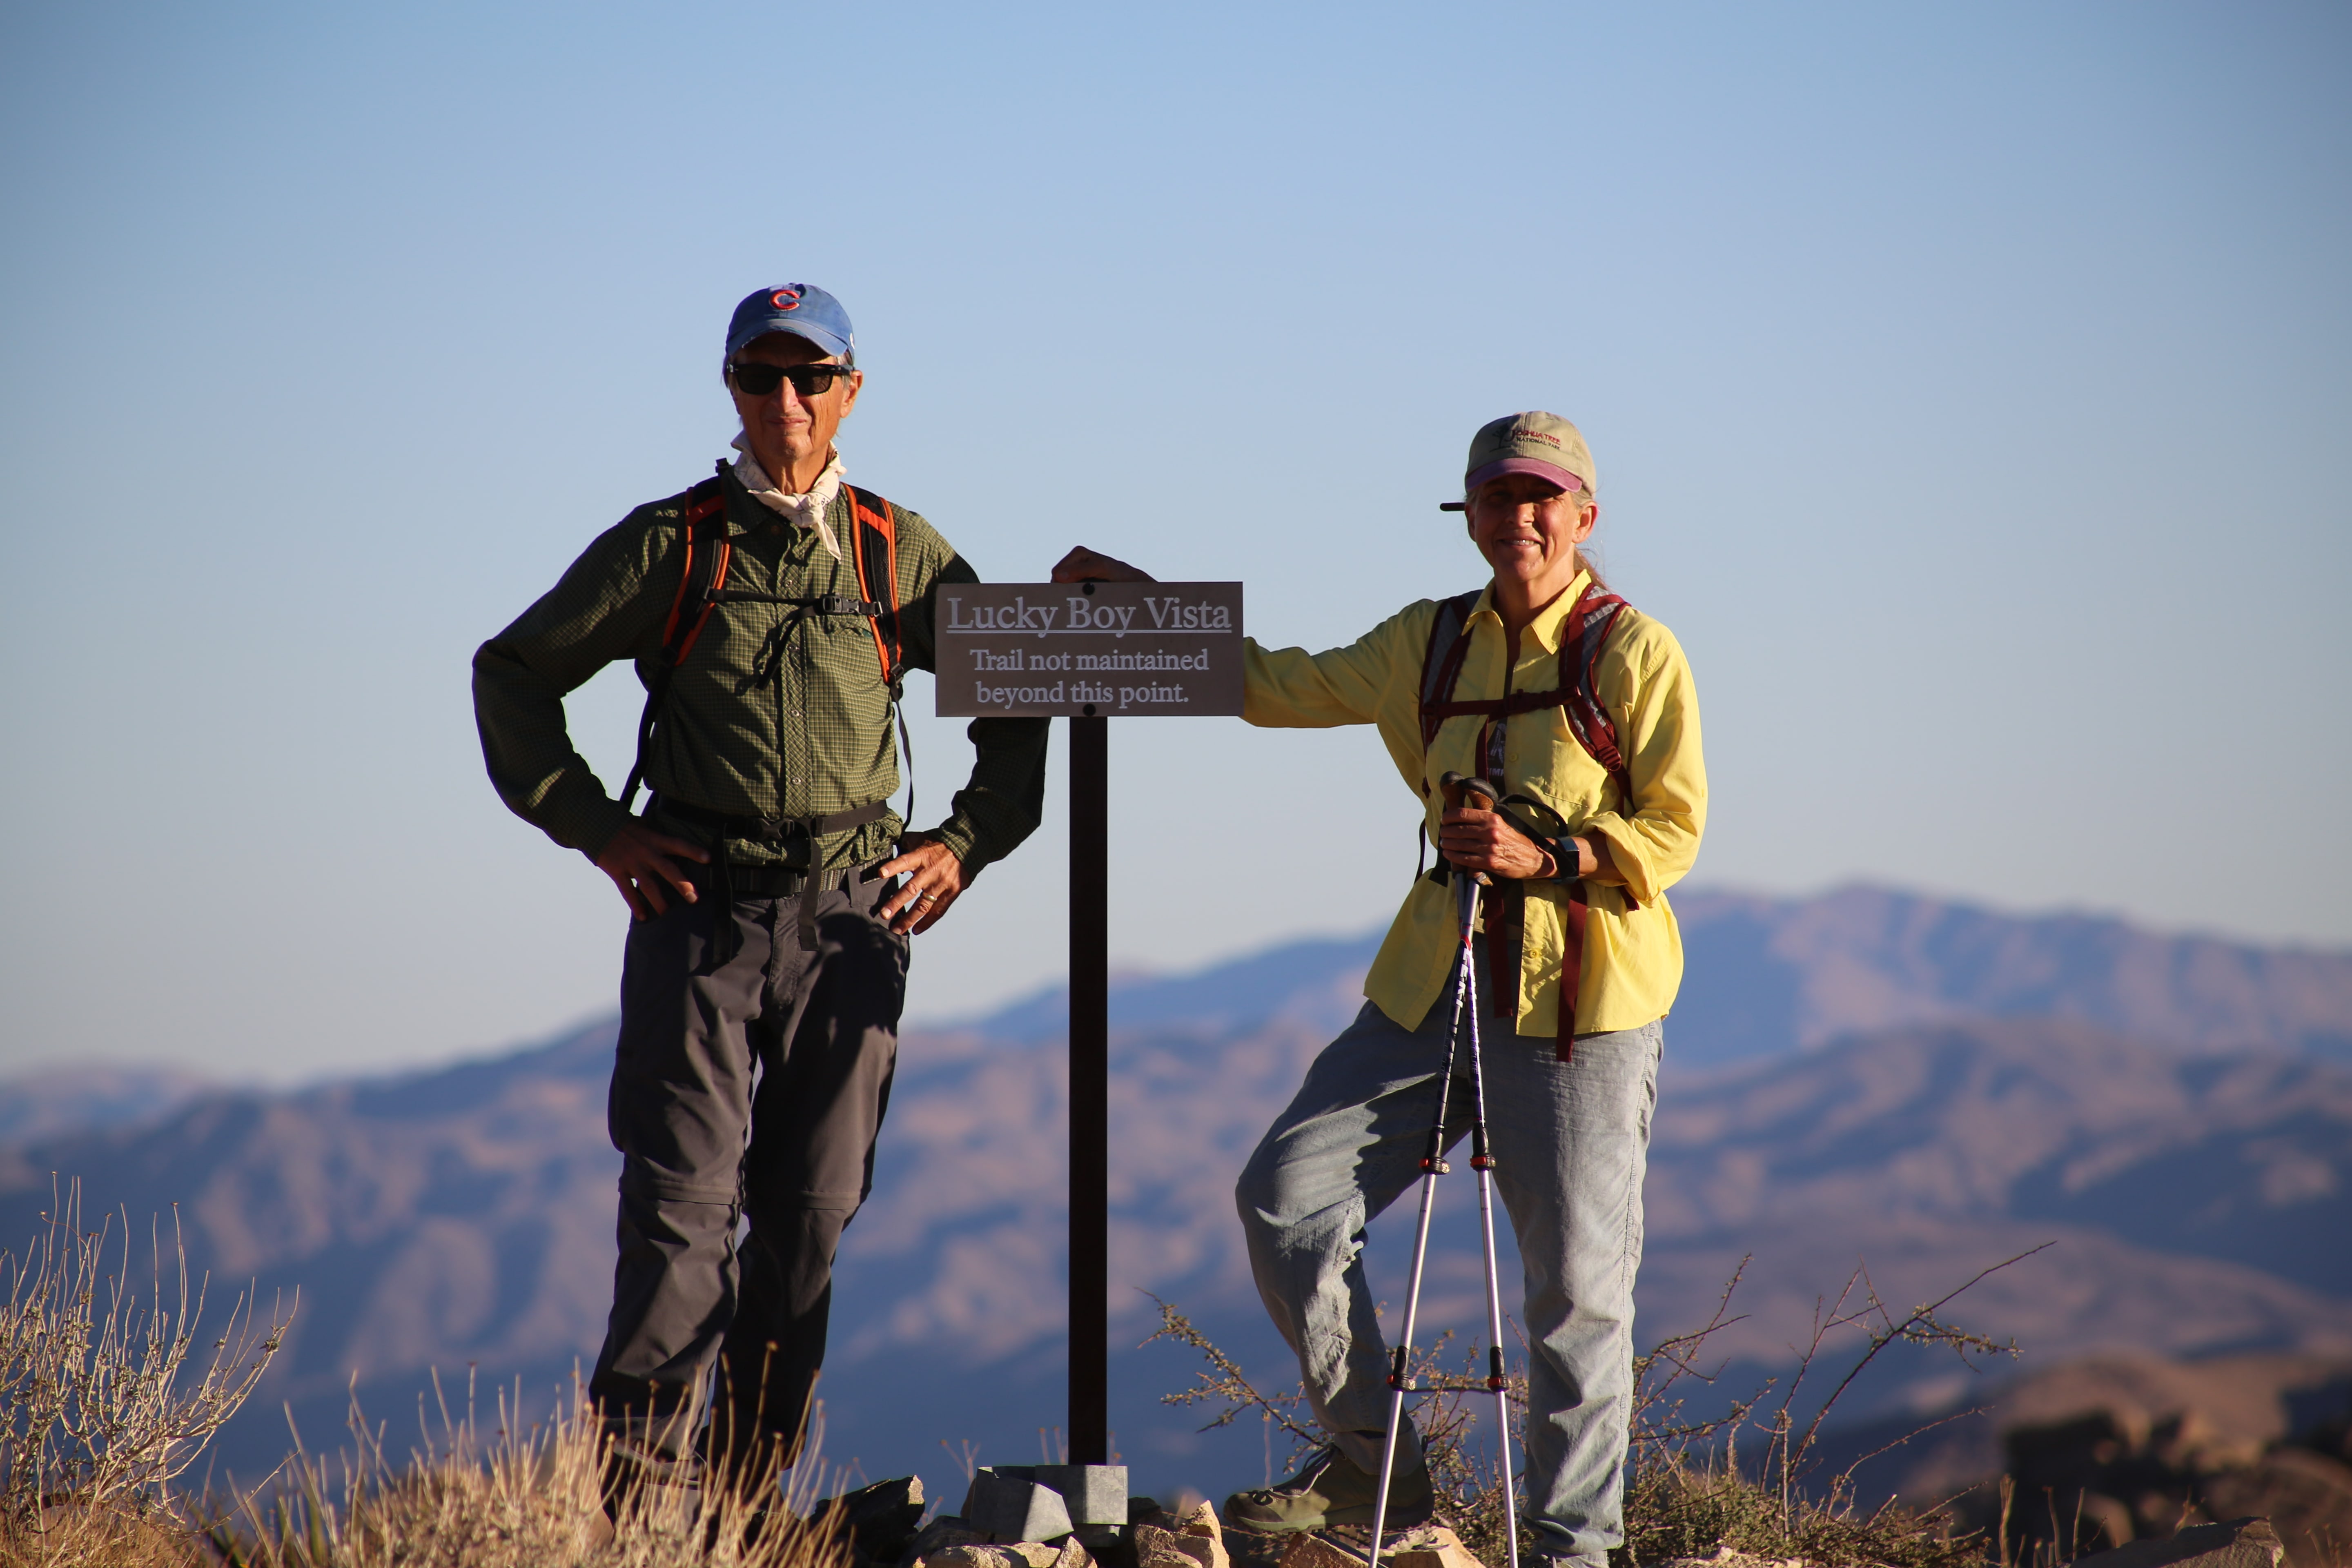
pixel 1550 622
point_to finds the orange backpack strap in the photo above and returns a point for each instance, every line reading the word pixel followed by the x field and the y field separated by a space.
pixel 707 545
pixel 878 579
pixel 702 575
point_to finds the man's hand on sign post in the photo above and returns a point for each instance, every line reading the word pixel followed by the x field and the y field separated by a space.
pixel 640 860
pixel 1082 565
pixel 934 881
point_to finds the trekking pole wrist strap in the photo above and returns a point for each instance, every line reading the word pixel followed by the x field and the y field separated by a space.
pixel 1565 860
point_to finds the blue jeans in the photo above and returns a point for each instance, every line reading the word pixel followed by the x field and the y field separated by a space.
pixel 1570 1141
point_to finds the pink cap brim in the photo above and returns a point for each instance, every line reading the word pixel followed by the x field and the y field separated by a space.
pixel 1535 466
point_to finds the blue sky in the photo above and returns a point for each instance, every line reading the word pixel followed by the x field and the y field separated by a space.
pixel 1967 384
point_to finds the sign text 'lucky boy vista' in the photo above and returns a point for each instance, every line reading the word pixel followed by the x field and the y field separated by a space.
pixel 1115 649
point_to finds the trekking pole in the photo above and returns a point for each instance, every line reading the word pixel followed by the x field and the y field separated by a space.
pixel 1482 1161
pixel 1432 1165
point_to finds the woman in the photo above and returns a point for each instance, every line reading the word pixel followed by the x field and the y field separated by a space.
pixel 1562 696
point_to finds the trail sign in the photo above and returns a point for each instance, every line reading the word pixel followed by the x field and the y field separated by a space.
pixel 1129 651
pixel 1088 651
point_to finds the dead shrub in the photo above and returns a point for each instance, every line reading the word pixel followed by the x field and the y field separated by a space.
pixel 102 1403
pixel 1687 1492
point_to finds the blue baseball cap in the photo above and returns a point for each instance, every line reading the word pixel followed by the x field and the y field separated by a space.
pixel 803 310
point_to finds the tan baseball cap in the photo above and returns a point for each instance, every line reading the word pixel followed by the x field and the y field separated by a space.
pixel 1532 443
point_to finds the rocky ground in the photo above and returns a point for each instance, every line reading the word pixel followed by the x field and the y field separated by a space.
pixel 2242 1462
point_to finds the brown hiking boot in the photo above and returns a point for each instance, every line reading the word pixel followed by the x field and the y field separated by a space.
pixel 1331 1489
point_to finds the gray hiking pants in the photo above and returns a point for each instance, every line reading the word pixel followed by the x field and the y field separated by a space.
pixel 1570 1141
pixel 749 1089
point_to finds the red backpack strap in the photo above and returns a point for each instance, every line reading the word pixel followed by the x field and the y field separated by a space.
pixel 1582 637
pixel 1581 640
pixel 878 577
pixel 1440 662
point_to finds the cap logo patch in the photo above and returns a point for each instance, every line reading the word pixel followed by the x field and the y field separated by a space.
pixel 1524 434
pixel 785 299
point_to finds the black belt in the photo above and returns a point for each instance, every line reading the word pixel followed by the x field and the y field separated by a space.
pixel 728 881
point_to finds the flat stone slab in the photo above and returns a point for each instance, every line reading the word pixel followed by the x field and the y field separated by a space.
pixel 1094 1494
pixel 1006 1505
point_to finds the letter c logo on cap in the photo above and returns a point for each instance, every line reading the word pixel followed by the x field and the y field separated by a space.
pixel 785 299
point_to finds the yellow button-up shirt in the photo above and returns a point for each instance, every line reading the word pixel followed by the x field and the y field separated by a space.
pixel 1633 956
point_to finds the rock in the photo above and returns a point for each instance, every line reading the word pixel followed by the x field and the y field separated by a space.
pixel 1011 1554
pixel 1140 1510
pixel 1725 1557
pixel 1155 1547
pixel 881 1520
pixel 1005 1506
pixel 1188 1546
pixel 1430 1546
pixel 2239 1543
pixel 1314 1552
pixel 1202 1526
pixel 973 1554
pixel 2307 1497
pixel 943 1534
pixel 1094 1494
pixel 1194 1540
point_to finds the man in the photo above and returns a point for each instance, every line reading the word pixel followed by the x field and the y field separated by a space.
pixel 770 611
pixel 1581 711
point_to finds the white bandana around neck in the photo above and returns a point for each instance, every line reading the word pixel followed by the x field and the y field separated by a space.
pixel 804 511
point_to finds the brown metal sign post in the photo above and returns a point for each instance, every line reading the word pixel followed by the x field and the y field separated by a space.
pixel 1089 651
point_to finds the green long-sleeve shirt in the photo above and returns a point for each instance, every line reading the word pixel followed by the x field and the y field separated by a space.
pixel 777 711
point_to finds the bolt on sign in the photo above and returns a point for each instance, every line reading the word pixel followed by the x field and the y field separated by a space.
pixel 1113 650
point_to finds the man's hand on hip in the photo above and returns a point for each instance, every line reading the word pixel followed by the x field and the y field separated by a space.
pixel 934 880
pixel 641 861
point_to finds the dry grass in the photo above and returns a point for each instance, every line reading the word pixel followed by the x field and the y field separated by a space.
pixel 524 1498
pixel 111 1394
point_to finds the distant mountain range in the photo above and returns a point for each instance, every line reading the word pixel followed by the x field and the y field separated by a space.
pixel 1865 1075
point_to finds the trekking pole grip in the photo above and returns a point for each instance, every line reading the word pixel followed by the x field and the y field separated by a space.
pixel 1462 792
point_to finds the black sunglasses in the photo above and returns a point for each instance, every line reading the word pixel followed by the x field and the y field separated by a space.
pixel 753 379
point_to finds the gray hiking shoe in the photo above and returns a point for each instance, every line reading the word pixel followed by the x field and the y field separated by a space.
pixel 1331 1489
